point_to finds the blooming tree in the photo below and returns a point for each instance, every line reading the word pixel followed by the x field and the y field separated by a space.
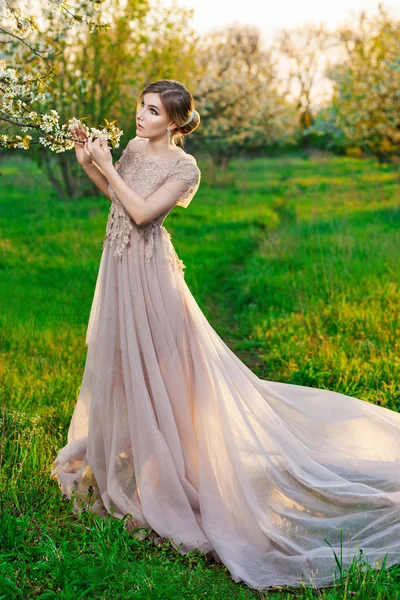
pixel 304 51
pixel 237 93
pixel 22 91
pixel 366 101
pixel 101 73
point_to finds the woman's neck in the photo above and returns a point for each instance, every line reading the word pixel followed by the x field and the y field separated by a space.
pixel 161 148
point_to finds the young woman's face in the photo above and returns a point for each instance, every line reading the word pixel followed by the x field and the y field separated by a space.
pixel 151 118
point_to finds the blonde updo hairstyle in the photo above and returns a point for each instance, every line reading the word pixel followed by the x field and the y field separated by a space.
pixel 179 105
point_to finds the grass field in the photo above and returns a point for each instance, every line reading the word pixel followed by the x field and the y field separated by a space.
pixel 294 261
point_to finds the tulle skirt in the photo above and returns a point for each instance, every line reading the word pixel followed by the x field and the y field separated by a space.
pixel 171 428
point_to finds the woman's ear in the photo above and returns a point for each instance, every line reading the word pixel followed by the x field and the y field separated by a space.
pixel 172 126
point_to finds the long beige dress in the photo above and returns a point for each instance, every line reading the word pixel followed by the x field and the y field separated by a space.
pixel 171 428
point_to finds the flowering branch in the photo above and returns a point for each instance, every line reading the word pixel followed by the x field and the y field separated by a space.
pixel 19 93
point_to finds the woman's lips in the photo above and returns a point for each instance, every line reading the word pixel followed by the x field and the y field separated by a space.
pixel 139 126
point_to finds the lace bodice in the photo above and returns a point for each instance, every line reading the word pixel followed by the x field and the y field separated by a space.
pixel 145 174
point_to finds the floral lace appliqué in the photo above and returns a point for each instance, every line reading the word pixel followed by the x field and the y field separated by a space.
pixel 145 175
pixel 173 258
pixel 118 228
pixel 147 233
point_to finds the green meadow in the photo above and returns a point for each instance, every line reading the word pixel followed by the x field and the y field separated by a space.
pixel 295 263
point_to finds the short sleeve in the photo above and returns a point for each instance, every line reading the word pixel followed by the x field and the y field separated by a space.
pixel 188 172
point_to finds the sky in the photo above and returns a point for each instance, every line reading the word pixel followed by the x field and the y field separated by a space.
pixel 270 16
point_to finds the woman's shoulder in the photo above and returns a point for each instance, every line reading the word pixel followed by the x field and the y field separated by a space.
pixel 134 143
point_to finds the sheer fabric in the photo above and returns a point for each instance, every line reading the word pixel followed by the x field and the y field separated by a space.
pixel 173 429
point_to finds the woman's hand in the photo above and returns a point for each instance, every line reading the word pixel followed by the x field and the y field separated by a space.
pixel 80 136
pixel 99 152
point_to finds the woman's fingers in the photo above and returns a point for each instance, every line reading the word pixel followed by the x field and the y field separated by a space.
pixel 92 144
pixel 82 132
pixel 77 134
pixel 87 148
pixel 89 143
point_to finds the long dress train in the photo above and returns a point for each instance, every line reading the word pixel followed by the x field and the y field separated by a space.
pixel 173 429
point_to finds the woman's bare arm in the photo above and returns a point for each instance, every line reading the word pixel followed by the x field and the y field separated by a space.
pixel 98 177
pixel 84 159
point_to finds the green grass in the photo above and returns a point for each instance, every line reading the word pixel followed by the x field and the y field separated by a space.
pixel 294 262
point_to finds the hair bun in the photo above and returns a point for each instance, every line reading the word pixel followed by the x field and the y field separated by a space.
pixel 191 123
pixel 191 117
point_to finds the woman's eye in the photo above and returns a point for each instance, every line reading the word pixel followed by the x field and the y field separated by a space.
pixel 152 110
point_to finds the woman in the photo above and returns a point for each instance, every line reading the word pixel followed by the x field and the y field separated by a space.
pixel 171 428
